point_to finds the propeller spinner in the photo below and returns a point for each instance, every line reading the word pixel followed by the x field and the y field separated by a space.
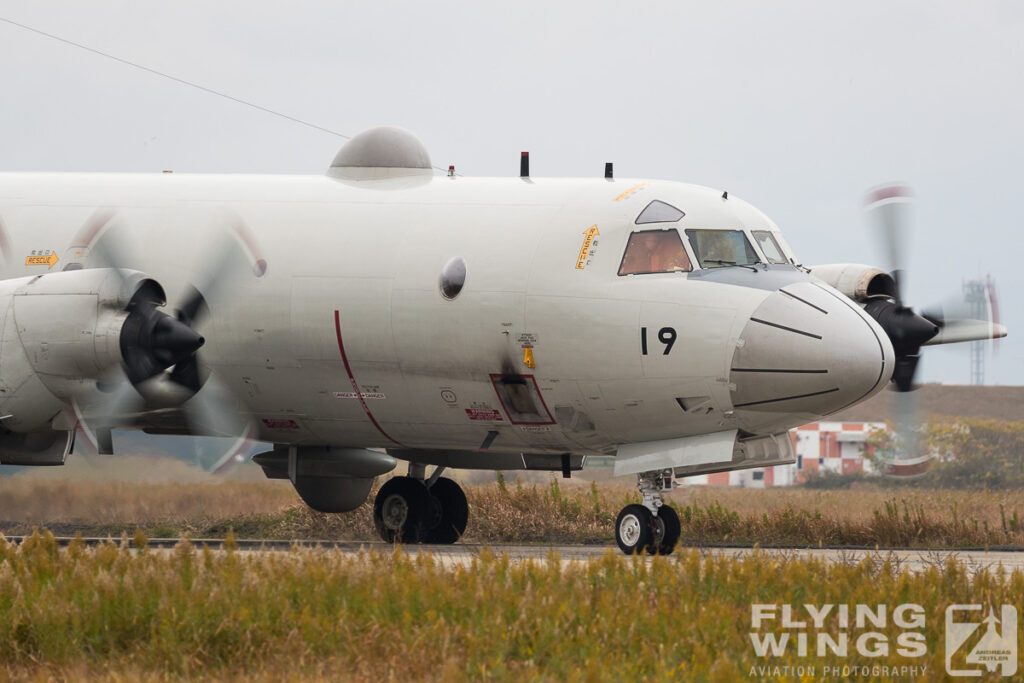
pixel 152 341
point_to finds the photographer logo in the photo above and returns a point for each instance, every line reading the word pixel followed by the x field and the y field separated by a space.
pixel 975 641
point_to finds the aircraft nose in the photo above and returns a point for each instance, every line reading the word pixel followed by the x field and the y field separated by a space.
pixel 808 349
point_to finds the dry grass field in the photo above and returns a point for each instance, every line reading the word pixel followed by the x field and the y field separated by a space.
pixel 109 612
pixel 112 613
pixel 556 511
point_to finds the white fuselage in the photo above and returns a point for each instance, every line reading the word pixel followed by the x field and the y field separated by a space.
pixel 346 339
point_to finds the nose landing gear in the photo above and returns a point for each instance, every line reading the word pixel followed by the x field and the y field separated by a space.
pixel 651 527
pixel 415 509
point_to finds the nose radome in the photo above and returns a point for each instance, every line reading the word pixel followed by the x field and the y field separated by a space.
pixel 808 349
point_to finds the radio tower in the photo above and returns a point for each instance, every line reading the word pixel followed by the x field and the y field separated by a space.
pixel 979 295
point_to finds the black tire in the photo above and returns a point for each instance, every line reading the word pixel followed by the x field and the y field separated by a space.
pixel 454 512
pixel 633 529
pixel 665 530
pixel 398 510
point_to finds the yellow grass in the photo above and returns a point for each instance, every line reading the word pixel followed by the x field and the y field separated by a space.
pixel 558 511
pixel 310 613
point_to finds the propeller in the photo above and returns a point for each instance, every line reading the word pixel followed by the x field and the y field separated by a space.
pixel 888 209
pixel 162 371
pixel 956 320
pixel 969 316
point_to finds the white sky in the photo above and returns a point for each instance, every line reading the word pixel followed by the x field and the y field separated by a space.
pixel 798 107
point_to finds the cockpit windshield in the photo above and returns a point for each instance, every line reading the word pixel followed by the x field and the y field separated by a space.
pixel 654 251
pixel 659 212
pixel 718 248
pixel 769 246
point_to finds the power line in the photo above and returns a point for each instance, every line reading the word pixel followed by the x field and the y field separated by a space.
pixel 176 79
pixel 182 81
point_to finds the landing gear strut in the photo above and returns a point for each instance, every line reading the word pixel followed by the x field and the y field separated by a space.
pixel 415 509
pixel 652 526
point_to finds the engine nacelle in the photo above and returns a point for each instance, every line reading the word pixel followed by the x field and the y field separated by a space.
pixel 60 333
pixel 859 282
pixel 63 333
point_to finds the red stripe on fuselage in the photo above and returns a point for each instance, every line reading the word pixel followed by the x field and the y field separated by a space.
pixel 890 192
pixel 355 385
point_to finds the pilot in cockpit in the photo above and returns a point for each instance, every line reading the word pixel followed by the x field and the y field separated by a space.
pixel 654 251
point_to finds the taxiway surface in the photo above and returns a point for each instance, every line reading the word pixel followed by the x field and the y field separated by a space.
pixel 461 554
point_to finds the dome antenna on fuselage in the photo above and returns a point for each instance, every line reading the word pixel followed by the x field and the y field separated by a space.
pixel 382 152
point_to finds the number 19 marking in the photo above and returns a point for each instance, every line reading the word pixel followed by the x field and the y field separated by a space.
pixel 666 335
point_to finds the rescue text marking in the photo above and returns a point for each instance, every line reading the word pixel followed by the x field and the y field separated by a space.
pixel 588 241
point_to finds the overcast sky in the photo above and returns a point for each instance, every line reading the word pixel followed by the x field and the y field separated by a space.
pixel 798 107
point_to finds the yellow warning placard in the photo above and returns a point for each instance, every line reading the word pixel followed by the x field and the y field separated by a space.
pixel 588 241
pixel 40 258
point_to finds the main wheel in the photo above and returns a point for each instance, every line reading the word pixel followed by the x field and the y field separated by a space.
pixel 665 531
pixel 399 509
pixel 633 529
pixel 454 512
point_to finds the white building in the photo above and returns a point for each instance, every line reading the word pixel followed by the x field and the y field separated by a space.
pixel 820 447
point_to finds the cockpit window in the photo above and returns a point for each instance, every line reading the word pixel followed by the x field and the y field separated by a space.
pixel 769 246
pixel 654 251
pixel 659 212
pixel 717 248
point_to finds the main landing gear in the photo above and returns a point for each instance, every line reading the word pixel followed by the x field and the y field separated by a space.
pixel 415 509
pixel 652 526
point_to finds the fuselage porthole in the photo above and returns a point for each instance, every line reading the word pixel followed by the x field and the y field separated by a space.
pixel 453 277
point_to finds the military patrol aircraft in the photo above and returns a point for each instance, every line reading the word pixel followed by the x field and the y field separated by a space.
pixel 379 313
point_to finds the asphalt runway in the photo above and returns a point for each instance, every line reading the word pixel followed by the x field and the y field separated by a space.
pixel 461 554
pixel 915 560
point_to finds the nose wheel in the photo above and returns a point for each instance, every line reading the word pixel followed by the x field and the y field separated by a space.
pixel 417 510
pixel 666 531
pixel 633 529
pixel 651 527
